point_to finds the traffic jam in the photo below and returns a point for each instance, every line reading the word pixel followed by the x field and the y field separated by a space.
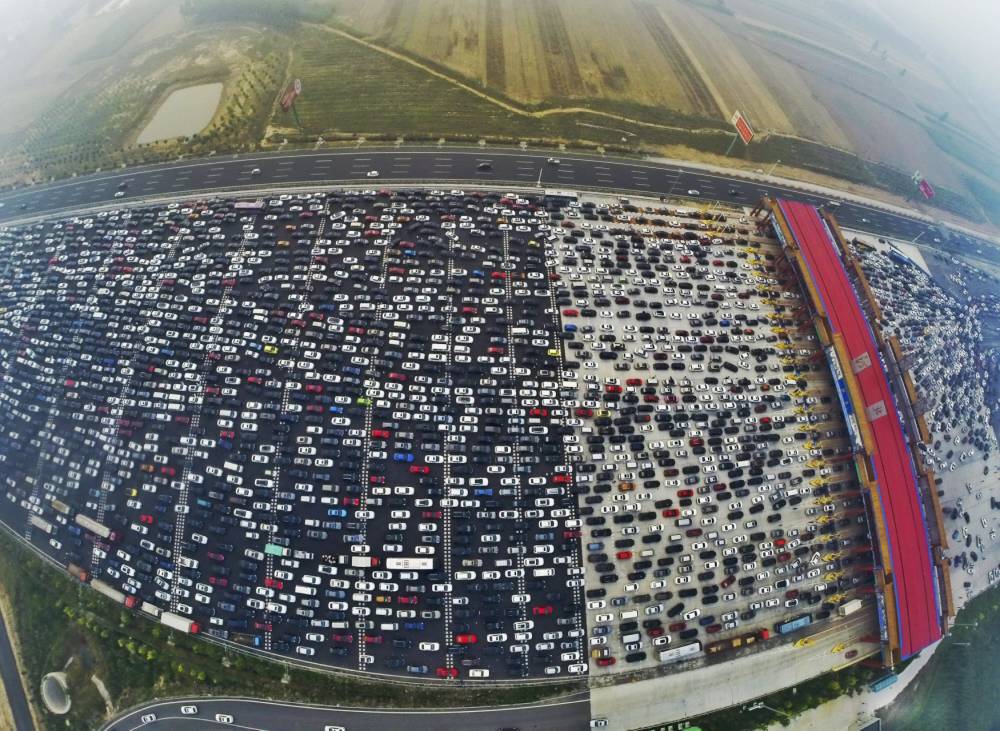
pixel 714 473
pixel 440 434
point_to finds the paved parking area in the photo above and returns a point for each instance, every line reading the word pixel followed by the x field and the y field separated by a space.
pixel 718 501
pixel 375 429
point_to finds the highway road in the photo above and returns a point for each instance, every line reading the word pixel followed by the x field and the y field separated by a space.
pixel 569 714
pixel 13 688
pixel 525 169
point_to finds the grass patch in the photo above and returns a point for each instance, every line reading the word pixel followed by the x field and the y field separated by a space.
pixel 58 619
pixel 987 195
pixel 953 690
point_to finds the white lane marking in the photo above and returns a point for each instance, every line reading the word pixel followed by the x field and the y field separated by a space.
pixel 362 711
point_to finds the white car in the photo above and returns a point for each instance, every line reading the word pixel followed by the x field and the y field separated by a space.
pixel 334 728
pixel 372 174
pixel 694 192
pixel 189 710
pixel 120 194
pixel 148 718
pixel 223 718
pixel 553 161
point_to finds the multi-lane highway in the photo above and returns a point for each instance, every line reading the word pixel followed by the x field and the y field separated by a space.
pixel 570 713
pixel 462 166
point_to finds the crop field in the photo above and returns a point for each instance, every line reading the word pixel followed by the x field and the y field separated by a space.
pixel 815 71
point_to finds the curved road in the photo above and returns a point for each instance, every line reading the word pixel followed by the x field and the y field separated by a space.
pixel 569 714
pixel 447 165
pixel 12 686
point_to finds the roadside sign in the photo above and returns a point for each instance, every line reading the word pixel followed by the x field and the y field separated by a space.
pixel 297 85
pixel 743 128
pixel 927 189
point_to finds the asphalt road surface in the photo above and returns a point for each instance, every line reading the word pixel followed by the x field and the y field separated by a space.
pixel 526 169
pixel 13 688
pixel 569 714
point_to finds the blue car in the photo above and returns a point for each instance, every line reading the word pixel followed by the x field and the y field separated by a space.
pixel 337 512
pixel 402 456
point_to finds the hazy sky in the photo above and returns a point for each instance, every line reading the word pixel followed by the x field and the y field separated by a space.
pixel 961 39
pixel 963 30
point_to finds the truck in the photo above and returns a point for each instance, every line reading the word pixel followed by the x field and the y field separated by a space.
pixel 41 523
pixel 177 622
pixel 410 564
pixel 849 607
pixel 78 572
pixel 96 528
pixel 360 562
pixel 60 507
pixel 107 590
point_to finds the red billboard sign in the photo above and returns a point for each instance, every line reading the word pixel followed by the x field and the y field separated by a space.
pixel 291 93
pixel 743 128
pixel 927 189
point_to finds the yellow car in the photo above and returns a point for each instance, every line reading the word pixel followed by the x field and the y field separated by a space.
pixel 270 350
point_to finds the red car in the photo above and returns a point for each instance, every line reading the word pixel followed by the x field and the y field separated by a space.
pixel 542 611
pixel 350 501
pixel 538 412
pixel 623 555
pixel 374 639
pixel 613 388
pixel 654 631
pixel 342 638
pixel 562 479
pixel 446 672
pixel 677 626
pixel 571 312
pixel 633 382
pixel 215 556
pixel 404 599
pixel 380 434
pixel 466 638
pixel 314 388
pixel 168 471
pixel 671 513
pixel 274 583
pixel 606 661
pixel 419 469
pixel 146 519
pixel 685 493
pixel 584 412
pixel 436 514
pixel 218 581
pixel 397 377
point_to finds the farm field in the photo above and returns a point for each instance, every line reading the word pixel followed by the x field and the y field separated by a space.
pixel 834 79
pixel 814 71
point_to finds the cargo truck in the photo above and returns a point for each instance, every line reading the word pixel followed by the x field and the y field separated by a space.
pixel 78 572
pixel 41 524
pixel 96 528
pixel 849 607
pixel 177 622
